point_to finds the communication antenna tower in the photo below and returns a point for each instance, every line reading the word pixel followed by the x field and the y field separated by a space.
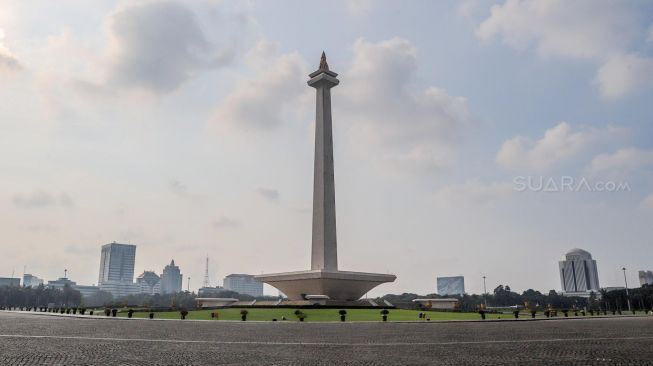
pixel 206 282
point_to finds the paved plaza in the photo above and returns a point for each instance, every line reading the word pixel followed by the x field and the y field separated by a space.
pixel 33 339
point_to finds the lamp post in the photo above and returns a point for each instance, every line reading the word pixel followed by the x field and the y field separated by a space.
pixel 484 293
pixel 626 282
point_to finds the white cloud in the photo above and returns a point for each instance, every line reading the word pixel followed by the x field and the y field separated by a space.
pixel 404 125
pixel 225 222
pixel 601 31
pixel 472 192
pixel 358 7
pixel 178 188
pixel 157 46
pixel 264 100
pixel 577 29
pixel 621 163
pixel 270 194
pixel 648 201
pixel 41 199
pixel 558 145
pixel 8 61
pixel 623 73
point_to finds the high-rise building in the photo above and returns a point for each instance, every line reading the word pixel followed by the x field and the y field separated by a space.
pixel 171 279
pixel 9 281
pixel 31 281
pixel 243 284
pixel 149 283
pixel 578 273
pixel 645 278
pixel 117 269
pixel 451 285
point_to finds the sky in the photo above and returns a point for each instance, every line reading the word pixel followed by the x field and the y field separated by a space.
pixel 475 138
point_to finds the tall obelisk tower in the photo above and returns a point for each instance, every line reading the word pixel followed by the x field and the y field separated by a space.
pixel 324 254
pixel 324 279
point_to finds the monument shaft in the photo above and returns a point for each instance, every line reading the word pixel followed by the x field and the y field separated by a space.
pixel 324 254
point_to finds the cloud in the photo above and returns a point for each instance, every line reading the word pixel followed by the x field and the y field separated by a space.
pixel 558 145
pixel 269 193
pixel 404 125
pixel 358 7
pixel 42 199
pixel 648 201
pixel 178 187
pixel 158 46
pixel 264 100
pixel 472 192
pixel 623 73
pixel 600 31
pixel 622 162
pixel 650 34
pixel 8 61
pixel 225 222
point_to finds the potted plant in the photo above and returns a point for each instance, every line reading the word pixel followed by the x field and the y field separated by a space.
pixel 384 314
pixel 183 313
pixel 114 312
pixel 243 315
pixel 482 312
pixel 343 314
pixel 300 315
pixel 130 313
pixel 151 315
pixel 516 314
pixel 533 312
pixel 107 312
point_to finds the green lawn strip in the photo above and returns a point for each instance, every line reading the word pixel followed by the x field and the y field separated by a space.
pixel 317 315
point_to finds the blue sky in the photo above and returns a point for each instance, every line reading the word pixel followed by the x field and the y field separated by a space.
pixel 186 128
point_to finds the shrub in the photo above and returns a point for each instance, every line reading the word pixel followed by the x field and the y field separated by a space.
pixel 183 313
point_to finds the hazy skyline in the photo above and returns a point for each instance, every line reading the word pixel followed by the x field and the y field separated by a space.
pixel 186 128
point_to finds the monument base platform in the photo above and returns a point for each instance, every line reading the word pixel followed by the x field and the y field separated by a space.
pixel 337 285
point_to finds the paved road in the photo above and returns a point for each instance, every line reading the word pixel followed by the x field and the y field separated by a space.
pixel 31 339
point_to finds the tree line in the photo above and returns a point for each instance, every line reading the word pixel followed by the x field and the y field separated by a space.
pixel 41 296
pixel 503 296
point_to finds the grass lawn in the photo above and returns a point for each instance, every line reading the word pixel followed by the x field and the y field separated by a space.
pixel 316 315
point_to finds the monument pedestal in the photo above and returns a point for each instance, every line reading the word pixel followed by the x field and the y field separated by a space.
pixel 337 285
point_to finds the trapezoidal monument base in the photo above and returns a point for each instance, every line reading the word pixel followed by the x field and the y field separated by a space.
pixel 337 285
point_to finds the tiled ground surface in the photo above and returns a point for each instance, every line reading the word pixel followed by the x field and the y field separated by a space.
pixel 31 339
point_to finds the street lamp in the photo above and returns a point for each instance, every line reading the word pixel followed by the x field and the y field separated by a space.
pixel 484 293
pixel 626 282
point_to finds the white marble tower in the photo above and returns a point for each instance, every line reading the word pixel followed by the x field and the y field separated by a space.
pixel 324 253
pixel 324 279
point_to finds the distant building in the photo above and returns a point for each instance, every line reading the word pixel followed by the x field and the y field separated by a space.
pixel 149 283
pixel 578 273
pixel 243 284
pixel 117 269
pixel 645 278
pixel 31 281
pixel 210 291
pixel 87 291
pixel 171 279
pixel 61 283
pixel 451 285
pixel 7 281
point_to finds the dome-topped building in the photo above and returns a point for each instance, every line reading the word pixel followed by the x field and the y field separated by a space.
pixel 578 253
pixel 578 273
